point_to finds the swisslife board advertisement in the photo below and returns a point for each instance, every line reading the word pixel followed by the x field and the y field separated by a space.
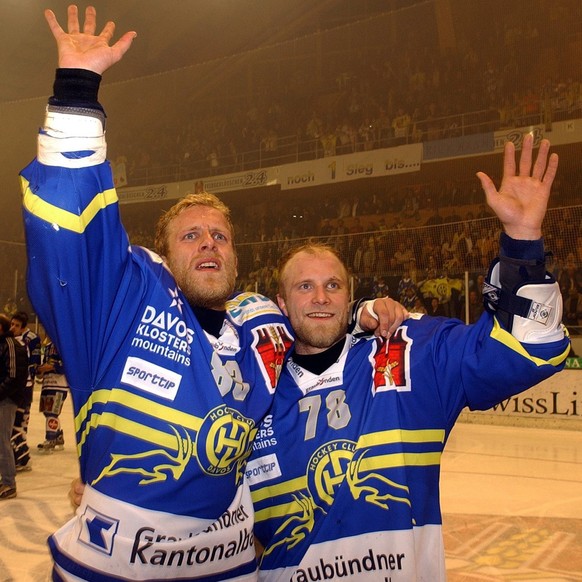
pixel 557 399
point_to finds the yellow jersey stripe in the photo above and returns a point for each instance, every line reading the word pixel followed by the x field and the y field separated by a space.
pixel 375 463
pixel 139 404
pixel 280 489
pixel 398 435
pixel 504 337
pixel 134 429
pixel 279 510
pixel 392 460
pixel 63 218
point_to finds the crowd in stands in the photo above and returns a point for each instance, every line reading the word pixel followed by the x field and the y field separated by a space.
pixel 426 234
pixel 423 266
pixel 429 262
pixel 378 96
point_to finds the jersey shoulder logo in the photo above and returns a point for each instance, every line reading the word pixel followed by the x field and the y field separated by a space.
pixel 391 363
pixel 270 344
pixel 247 306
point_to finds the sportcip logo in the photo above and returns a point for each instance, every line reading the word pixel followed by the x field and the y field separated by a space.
pixel 151 378
pixel 262 469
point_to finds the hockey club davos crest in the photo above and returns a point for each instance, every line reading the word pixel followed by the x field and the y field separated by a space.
pixel 391 362
pixel 341 460
pixel 326 470
pixel 270 345
pixel 334 465
pixel 224 441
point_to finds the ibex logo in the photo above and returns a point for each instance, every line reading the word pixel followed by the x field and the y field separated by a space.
pixel 339 460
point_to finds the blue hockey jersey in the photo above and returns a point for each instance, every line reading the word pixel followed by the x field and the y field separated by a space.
pixel 164 413
pixel 345 469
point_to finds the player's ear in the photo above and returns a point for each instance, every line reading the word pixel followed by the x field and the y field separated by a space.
pixel 281 303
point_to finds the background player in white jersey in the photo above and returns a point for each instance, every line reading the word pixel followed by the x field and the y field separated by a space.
pixel 53 394
pixel 345 470
pixel 170 374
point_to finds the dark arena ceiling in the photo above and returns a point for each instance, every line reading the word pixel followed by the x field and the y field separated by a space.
pixel 171 33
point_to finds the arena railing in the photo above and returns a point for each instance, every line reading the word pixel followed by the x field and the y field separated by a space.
pixel 293 148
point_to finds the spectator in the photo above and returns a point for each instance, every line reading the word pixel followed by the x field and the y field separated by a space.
pixel 22 333
pixel 405 283
pixel 410 298
pixel 13 377
pixel 435 308
pixel 570 277
pixel 418 306
pixel 380 288
pixel 573 311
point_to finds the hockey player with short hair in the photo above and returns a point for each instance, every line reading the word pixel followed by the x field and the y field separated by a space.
pixel 345 471
pixel 170 371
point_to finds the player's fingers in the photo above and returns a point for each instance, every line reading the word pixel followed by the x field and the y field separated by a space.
pixel 399 316
pixel 108 31
pixel 551 170
pixel 487 185
pixel 526 155
pixel 90 23
pixel 541 160
pixel 123 44
pixel 509 160
pixel 73 19
pixel 53 23
pixel 76 492
pixel 390 315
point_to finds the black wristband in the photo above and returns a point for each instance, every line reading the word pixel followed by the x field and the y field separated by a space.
pixel 520 262
pixel 76 88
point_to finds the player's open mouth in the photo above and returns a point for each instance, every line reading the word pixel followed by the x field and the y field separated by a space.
pixel 208 266
pixel 320 315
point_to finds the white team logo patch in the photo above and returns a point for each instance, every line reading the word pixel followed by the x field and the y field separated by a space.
pixel 263 469
pixel 98 530
pixel 151 378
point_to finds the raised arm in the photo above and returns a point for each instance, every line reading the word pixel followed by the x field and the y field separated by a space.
pixel 84 49
pixel 526 299
pixel 522 199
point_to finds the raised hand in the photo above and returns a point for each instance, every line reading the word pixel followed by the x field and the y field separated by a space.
pixel 84 49
pixel 522 199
